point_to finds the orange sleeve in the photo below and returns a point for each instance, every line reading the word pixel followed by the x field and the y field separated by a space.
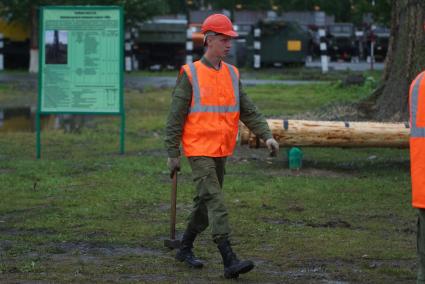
pixel 420 112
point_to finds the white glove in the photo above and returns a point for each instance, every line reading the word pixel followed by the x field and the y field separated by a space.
pixel 273 146
pixel 173 164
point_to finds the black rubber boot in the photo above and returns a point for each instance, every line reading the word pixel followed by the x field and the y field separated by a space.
pixel 185 252
pixel 232 265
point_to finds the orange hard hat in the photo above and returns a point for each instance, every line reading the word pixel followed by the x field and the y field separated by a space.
pixel 220 24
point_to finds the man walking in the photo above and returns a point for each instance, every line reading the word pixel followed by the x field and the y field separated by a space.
pixel 206 107
pixel 417 164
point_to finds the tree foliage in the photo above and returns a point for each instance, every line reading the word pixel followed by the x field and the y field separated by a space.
pixel 135 10
pixel 139 10
pixel 343 10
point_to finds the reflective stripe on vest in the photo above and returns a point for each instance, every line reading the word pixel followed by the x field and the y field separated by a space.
pixel 417 132
pixel 197 107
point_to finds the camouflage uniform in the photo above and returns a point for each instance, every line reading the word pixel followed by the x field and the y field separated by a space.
pixel 208 172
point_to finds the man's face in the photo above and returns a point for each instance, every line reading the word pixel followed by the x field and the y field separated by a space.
pixel 219 45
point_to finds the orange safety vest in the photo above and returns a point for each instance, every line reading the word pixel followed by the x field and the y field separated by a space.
pixel 211 126
pixel 417 140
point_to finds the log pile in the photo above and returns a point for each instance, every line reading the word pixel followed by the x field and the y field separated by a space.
pixel 331 134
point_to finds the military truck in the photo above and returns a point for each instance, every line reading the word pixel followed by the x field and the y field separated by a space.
pixel 161 43
pixel 341 41
pixel 16 45
pixel 281 42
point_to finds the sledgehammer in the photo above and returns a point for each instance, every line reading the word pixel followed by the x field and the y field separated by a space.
pixel 172 243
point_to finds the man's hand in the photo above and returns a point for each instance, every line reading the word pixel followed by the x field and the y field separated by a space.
pixel 273 146
pixel 173 164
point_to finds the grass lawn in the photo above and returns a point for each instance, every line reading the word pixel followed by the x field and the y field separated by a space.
pixel 85 214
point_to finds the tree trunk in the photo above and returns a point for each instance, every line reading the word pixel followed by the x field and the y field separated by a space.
pixel 33 68
pixel 308 133
pixel 405 60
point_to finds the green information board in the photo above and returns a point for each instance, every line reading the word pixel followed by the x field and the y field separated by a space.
pixel 81 61
pixel 80 55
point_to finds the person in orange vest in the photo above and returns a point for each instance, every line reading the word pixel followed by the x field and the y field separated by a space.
pixel 417 164
pixel 207 104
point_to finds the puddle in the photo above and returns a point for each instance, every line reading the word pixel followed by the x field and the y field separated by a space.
pixel 308 172
pixel 95 250
pixel 16 119
pixel 22 119
pixel 316 273
pixel 336 223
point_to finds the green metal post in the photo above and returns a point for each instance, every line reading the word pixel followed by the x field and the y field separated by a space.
pixel 40 70
pixel 122 105
pixel 37 127
pixel 122 134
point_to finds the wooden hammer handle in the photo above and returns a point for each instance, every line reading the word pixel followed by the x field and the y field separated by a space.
pixel 173 206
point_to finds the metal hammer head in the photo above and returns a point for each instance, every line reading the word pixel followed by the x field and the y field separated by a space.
pixel 172 243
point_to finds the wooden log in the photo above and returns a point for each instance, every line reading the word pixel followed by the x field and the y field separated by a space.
pixel 331 134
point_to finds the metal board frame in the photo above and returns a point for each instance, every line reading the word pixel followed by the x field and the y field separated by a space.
pixel 121 112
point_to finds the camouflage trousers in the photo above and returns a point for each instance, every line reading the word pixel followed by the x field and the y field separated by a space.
pixel 208 202
pixel 421 246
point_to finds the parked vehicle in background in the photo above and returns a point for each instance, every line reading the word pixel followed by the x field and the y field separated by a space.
pixel 161 44
pixel 380 36
pixel 341 41
pixel 281 42
pixel 16 45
